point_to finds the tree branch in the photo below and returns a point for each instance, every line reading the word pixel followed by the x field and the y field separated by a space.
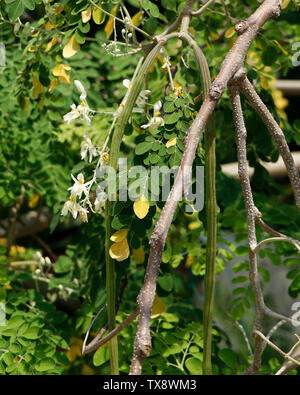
pixel 202 9
pixel 251 215
pixel 232 63
pixel 278 135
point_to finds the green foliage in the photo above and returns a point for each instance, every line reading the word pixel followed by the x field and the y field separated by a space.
pixel 49 307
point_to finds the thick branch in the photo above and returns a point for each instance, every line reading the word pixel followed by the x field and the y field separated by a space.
pixel 251 215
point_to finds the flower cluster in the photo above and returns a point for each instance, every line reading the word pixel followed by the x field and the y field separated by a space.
pixel 79 187
pixel 79 198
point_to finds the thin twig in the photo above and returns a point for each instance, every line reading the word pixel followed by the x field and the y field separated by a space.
pixel 276 348
pixel 241 328
pixel 272 239
pixel 202 9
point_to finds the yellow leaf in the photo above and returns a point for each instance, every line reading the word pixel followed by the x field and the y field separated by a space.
pixel 192 30
pixel 213 35
pixel 71 47
pixel 35 34
pixel 16 250
pixel 119 251
pixel 284 4
pixel 86 14
pixel 26 105
pixel 230 32
pixel 136 18
pixel 49 26
pixel 158 307
pixel 98 16
pixel 231 42
pixel 178 89
pixel 171 142
pixel 41 101
pixel 75 349
pixel 139 254
pixel 109 27
pixel 37 87
pixel 264 82
pixel 141 207
pixel 189 261
pixel 51 44
pixel 60 72
pixel 194 225
pixel 33 201
pixel 119 236
pixel 87 371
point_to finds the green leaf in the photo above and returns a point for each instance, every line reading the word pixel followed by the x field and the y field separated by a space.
pixel 15 322
pixel 15 348
pixel 101 356
pixel 241 250
pixel 270 56
pixel 166 282
pixel 194 366
pixel 169 4
pixel 295 286
pixel 32 333
pixel 238 311
pixel 228 357
pixel 80 37
pixel 175 158
pixel 45 364
pixel 169 106
pixel 15 10
pixel 84 27
pixel 63 264
pixel 148 5
pixel 8 358
pixel 291 261
pixel 265 274
pixel 143 147
pixel 30 4
pixel 172 117
pixel 239 279
pixel 170 317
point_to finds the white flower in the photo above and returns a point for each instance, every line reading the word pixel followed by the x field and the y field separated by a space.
pixel 74 208
pixel 82 110
pixel 87 147
pixel 70 206
pixel 79 186
pixel 156 120
pixel 73 114
pixel 104 158
pixel 127 84
pixel 81 89
pixel 100 199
